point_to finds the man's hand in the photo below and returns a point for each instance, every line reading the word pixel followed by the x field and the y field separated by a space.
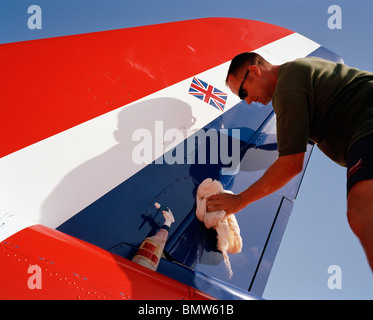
pixel 276 176
pixel 230 203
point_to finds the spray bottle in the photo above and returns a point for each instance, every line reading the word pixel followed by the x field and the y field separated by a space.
pixel 151 249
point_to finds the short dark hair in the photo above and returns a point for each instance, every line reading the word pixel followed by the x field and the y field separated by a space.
pixel 242 59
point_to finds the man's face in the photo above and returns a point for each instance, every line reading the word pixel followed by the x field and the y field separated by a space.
pixel 252 84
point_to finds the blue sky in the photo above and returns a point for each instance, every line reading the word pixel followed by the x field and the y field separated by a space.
pixel 318 234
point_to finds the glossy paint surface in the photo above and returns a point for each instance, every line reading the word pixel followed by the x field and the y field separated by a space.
pixel 48 86
pixel 74 103
pixel 68 268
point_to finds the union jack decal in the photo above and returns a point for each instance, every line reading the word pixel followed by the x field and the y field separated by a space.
pixel 208 93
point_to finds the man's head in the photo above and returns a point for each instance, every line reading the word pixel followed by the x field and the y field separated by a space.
pixel 252 78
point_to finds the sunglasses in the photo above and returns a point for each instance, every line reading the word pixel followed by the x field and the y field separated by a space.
pixel 242 92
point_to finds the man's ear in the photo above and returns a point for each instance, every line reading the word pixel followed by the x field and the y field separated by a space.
pixel 255 70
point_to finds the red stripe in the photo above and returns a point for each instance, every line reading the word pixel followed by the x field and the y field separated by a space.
pixel 50 85
pixel 354 168
pixel 77 270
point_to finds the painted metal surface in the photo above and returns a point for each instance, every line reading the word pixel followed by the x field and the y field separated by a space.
pixel 68 268
pixel 190 244
pixel 82 158
pixel 67 153
pixel 62 82
pixel 123 217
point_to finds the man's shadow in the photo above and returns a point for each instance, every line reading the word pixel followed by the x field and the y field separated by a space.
pixel 97 176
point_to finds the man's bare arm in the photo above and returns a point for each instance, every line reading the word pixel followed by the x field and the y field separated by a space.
pixel 277 175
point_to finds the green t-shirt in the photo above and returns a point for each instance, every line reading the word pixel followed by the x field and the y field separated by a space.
pixel 328 103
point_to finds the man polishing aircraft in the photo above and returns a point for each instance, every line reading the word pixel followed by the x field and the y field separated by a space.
pixel 328 103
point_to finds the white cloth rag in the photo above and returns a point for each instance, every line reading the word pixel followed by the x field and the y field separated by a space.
pixel 228 239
